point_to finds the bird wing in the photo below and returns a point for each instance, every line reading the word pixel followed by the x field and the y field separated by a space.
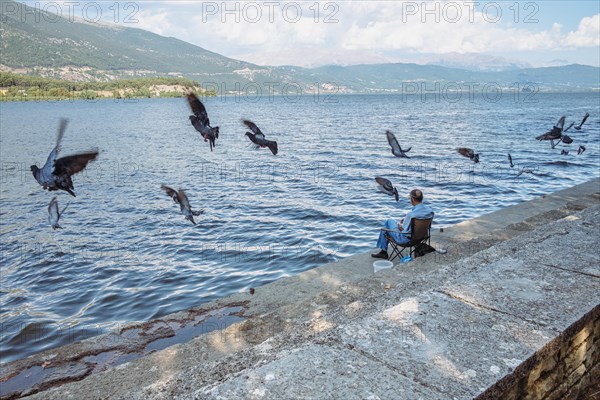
pixel 252 137
pixel 170 191
pixel 465 151
pixel 53 206
pixel 183 200
pixel 198 108
pixel 252 126
pixel 569 127
pixel 393 142
pixel 567 140
pixel 385 183
pixel 71 165
pixel 585 117
pixel 561 123
pixel 61 130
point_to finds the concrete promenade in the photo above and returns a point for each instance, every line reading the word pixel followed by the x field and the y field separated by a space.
pixel 444 326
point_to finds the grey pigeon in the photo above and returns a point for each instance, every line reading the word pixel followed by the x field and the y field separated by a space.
pixel 385 185
pixel 56 173
pixel 467 152
pixel 585 117
pixel 258 138
pixel 180 198
pixel 201 122
pixel 556 133
pixel 396 149
pixel 54 214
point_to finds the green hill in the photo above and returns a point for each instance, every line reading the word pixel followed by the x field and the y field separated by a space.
pixel 54 47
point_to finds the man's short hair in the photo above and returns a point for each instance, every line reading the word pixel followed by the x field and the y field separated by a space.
pixel 417 195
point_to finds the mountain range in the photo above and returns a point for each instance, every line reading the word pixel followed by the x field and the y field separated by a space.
pixel 52 46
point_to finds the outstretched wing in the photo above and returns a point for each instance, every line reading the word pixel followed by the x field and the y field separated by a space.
pixel 386 183
pixel 561 123
pixel 71 165
pixel 183 200
pixel 569 127
pixel 393 142
pixel 198 108
pixel 465 151
pixel 170 191
pixel 252 126
pixel 61 130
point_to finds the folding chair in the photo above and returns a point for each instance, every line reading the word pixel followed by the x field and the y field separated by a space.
pixel 420 232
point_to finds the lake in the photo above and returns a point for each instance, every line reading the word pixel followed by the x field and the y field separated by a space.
pixel 126 253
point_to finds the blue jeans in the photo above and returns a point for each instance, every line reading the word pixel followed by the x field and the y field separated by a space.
pixel 382 243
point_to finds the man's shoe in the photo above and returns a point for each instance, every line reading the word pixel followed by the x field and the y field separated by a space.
pixel 382 254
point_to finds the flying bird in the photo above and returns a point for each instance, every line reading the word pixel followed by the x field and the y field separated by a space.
pixel 556 133
pixel 258 138
pixel 54 214
pixel 510 161
pixel 580 150
pixel 396 149
pixel 466 152
pixel 525 171
pixel 585 117
pixel 564 152
pixel 385 185
pixel 201 122
pixel 56 172
pixel 180 198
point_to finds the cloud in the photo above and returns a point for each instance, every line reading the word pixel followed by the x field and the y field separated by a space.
pixel 378 27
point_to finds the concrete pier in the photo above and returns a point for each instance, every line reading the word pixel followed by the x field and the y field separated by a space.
pixel 511 310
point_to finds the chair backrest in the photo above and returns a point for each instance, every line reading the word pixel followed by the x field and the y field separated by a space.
pixel 419 229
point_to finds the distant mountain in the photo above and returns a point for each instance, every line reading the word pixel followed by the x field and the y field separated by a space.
pixel 476 62
pixel 54 47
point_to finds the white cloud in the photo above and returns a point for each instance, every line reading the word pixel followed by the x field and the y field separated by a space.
pixel 375 27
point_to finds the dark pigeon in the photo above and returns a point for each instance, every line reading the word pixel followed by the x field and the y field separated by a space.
pixel 580 150
pixel 201 122
pixel 467 152
pixel 385 185
pixel 180 198
pixel 396 149
pixel 258 138
pixel 585 117
pixel 56 173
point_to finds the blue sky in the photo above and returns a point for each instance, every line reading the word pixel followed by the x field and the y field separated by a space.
pixel 534 33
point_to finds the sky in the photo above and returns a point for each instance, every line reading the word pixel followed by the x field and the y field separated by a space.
pixel 310 33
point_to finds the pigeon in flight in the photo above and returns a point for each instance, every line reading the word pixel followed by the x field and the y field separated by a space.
pixel 56 173
pixel 556 134
pixel 200 120
pixel 580 150
pixel 258 138
pixel 510 161
pixel 396 149
pixel 564 152
pixel 466 152
pixel 180 198
pixel 585 117
pixel 54 214
pixel 385 185
pixel 525 171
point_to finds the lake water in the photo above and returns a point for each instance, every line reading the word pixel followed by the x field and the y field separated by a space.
pixel 127 254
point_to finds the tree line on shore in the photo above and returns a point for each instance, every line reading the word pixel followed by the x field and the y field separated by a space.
pixel 19 87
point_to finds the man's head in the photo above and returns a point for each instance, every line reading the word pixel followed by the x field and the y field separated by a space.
pixel 416 196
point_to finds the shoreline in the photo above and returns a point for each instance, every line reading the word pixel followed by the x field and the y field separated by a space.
pixel 242 321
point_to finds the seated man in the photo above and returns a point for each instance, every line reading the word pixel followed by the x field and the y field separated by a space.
pixel 419 211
